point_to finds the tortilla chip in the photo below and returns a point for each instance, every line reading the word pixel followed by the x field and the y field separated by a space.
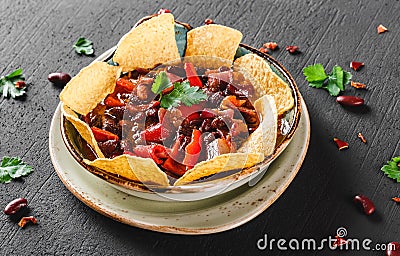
pixel 263 139
pixel 258 71
pixel 221 163
pixel 213 40
pixel 134 168
pixel 90 86
pixel 82 127
pixel 151 43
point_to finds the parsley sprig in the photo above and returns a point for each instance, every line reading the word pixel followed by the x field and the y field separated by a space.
pixel 334 82
pixel 84 46
pixel 182 93
pixel 8 84
pixel 392 169
pixel 12 168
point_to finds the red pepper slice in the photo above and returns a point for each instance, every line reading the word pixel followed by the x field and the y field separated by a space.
pixel 192 150
pixel 174 167
pixel 103 135
pixel 154 133
pixel 192 76
pixel 124 85
pixel 110 101
pixel 156 152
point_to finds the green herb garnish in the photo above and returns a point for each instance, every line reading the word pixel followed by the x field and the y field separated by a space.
pixel 84 46
pixel 392 169
pixel 334 83
pixel 182 93
pixel 12 168
pixel 8 84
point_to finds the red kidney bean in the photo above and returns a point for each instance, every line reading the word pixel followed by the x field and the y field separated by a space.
pixel 393 249
pixel 15 205
pixel 366 203
pixel 59 78
pixel 350 100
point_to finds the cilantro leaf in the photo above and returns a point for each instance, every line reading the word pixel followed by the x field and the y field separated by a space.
pixel 183 93
pixel 332 88
pixel 84 46
pixel 315 73
pixel 337 77
pixel 8 82
pixel 160 83
pixel 392 169
pixel 12 168
pixel 334 83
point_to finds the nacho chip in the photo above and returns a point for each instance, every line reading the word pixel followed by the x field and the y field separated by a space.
pixel 90 86
pixel 151 43
pixel 213 40
pixel 257 70
pixel 82 127
pixel 263 139
pixel 221 163
pixel 134 168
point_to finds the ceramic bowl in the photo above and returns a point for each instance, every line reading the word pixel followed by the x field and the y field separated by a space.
pixel 217 184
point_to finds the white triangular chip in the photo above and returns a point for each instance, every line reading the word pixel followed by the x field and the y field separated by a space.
pixel 265 81
pixel 213 40
pixel 90 86
pixel 149 44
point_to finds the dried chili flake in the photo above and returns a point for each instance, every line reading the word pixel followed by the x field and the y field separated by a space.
pixel 208 21
pixel 362 138
pixel 271 45
pixel 20 84
pixel 396 199
pixel 163 10
pixel 341 144
pixel 292 49
pixel 356 65
pixel 358 85
pixel 25 221
pixel 263 50
pixel 381 29
pixel 340 241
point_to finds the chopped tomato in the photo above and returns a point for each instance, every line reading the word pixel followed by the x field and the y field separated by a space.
pixel 192 76
pixel 103 135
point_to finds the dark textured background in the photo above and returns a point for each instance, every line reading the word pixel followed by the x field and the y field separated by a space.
pixel 37 36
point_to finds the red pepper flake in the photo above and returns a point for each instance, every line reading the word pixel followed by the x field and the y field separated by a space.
pixel 396 199
pixel 163 10
pixel 271 45
pixel 208 21
pixel 292 49
pixel 263 50
pixel 20 84
pixel 339 242
pixel 356 65
pixel 358 85
pixel 381 29
pixel 25 221
pixel 341 144
pixel 362 138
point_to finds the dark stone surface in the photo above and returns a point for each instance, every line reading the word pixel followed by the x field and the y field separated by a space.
pixel 37 36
